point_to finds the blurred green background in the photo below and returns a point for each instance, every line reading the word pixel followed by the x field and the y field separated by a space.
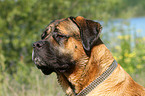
pixel 22 22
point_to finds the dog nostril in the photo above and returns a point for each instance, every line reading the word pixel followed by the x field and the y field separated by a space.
pixel 38 44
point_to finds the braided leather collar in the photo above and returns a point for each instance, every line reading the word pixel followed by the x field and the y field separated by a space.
pixel 99 80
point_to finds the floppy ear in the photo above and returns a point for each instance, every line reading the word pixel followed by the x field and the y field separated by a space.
pixel 89 32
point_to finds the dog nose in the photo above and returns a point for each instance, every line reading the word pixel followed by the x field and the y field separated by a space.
pixel 38 44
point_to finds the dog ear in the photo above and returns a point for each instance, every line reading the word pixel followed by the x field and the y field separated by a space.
pixel 89 32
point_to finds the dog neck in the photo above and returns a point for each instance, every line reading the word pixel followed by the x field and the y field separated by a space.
pixel 87 70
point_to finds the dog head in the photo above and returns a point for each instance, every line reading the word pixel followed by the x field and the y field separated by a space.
pixel 64 42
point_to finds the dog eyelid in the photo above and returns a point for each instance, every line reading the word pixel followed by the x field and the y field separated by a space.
pixel 59 37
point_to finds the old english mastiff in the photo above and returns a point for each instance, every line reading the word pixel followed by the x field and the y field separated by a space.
pixel 72 48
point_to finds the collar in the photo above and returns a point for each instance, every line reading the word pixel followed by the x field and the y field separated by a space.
pixel 99 80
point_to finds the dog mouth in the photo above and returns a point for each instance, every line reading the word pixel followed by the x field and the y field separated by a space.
pixel 56 64
pixel 37 60
pixel 40 64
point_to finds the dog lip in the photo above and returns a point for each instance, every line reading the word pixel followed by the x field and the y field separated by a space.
pixel 40 64
pixel 38 61
pixel 42 67
pixel 61 70
pixel 32 55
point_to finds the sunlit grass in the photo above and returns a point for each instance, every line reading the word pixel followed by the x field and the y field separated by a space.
pixel 39 85
pixel 42 85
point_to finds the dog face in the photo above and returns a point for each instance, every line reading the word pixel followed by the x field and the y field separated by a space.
pixel 63 43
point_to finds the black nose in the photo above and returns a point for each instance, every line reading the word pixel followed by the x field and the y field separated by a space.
pixel 38 44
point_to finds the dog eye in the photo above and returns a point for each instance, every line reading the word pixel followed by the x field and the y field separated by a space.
pixel 60 37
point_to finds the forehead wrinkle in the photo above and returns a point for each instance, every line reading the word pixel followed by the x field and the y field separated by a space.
pixel 53 24
pixel 50 28
pixel 68 27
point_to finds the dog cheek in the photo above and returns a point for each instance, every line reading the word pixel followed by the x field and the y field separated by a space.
pixel 78 52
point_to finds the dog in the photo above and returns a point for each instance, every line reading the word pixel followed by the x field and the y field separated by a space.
pixel 72 48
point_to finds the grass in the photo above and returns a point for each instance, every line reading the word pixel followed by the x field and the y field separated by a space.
pixel 37 85
pixel 41 85
pixel 139 78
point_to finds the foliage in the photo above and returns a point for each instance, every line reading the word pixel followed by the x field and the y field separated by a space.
pixel 127 49
pixel 22 21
